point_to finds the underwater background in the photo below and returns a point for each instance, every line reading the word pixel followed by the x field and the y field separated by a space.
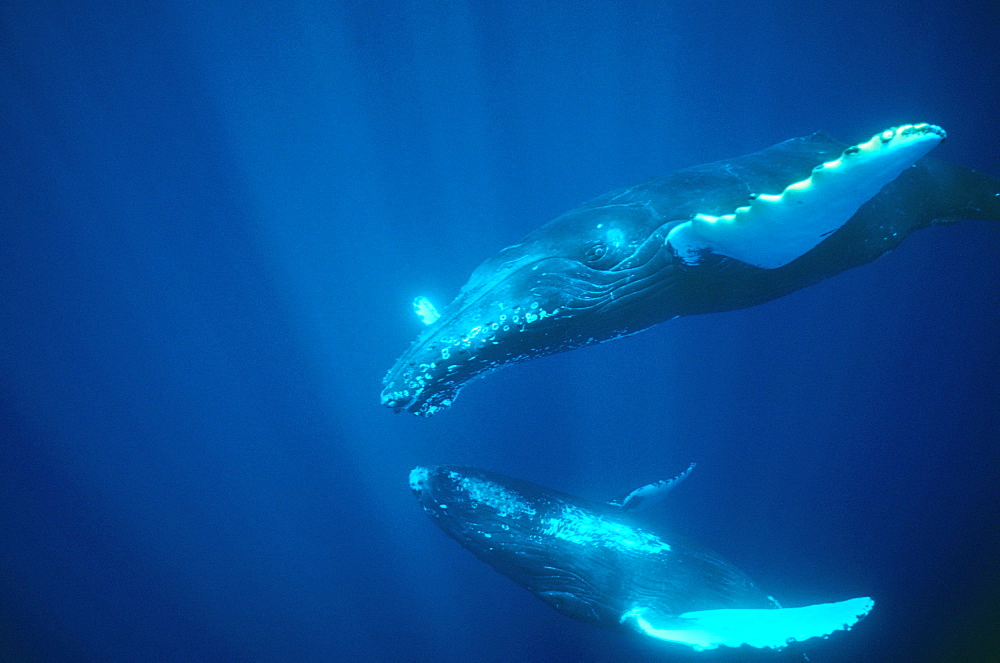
pixel 215 218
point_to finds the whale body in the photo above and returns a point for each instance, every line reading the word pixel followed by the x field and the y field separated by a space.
pixel 711 238
pixel 594 563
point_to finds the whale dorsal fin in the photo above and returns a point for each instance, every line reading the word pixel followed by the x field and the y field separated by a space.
pixel 641 498
pixel 775 228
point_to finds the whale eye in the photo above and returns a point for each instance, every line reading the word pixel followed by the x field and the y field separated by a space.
pixel 595 251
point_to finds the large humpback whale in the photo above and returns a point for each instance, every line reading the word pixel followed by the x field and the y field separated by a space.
pixel 716 237
pixel 592 562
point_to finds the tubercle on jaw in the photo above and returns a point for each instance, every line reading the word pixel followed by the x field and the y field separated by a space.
pixel 433 398
pixel 462 350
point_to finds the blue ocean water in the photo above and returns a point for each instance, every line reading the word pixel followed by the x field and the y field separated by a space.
pixel 215 217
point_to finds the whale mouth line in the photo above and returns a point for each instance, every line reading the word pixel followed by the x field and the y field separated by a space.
pixel 592 289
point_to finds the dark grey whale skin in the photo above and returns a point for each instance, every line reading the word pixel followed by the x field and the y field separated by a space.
pixel 605 270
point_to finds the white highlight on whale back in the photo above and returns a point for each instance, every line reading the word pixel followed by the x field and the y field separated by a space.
pixel 589 529
pixel 775 229
pixel 759 628
pixel 505 502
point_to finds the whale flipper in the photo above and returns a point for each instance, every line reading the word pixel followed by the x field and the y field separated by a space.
pixel 642 497
pixel 774 229
pixel 753 627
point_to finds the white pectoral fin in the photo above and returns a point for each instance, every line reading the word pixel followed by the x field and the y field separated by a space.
pixel 774 229
pixel 761 628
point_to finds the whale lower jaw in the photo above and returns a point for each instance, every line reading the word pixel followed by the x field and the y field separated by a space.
pixel 758 628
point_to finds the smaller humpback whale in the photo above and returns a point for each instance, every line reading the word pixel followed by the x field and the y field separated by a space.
pixel 716 237
pixel 593 563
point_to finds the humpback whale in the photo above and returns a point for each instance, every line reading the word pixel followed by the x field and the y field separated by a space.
pixel 711 238
pixel 594 563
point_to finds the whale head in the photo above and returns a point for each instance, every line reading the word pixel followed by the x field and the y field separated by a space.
pixel 531 535
pixel 583 278
pixel 473 506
